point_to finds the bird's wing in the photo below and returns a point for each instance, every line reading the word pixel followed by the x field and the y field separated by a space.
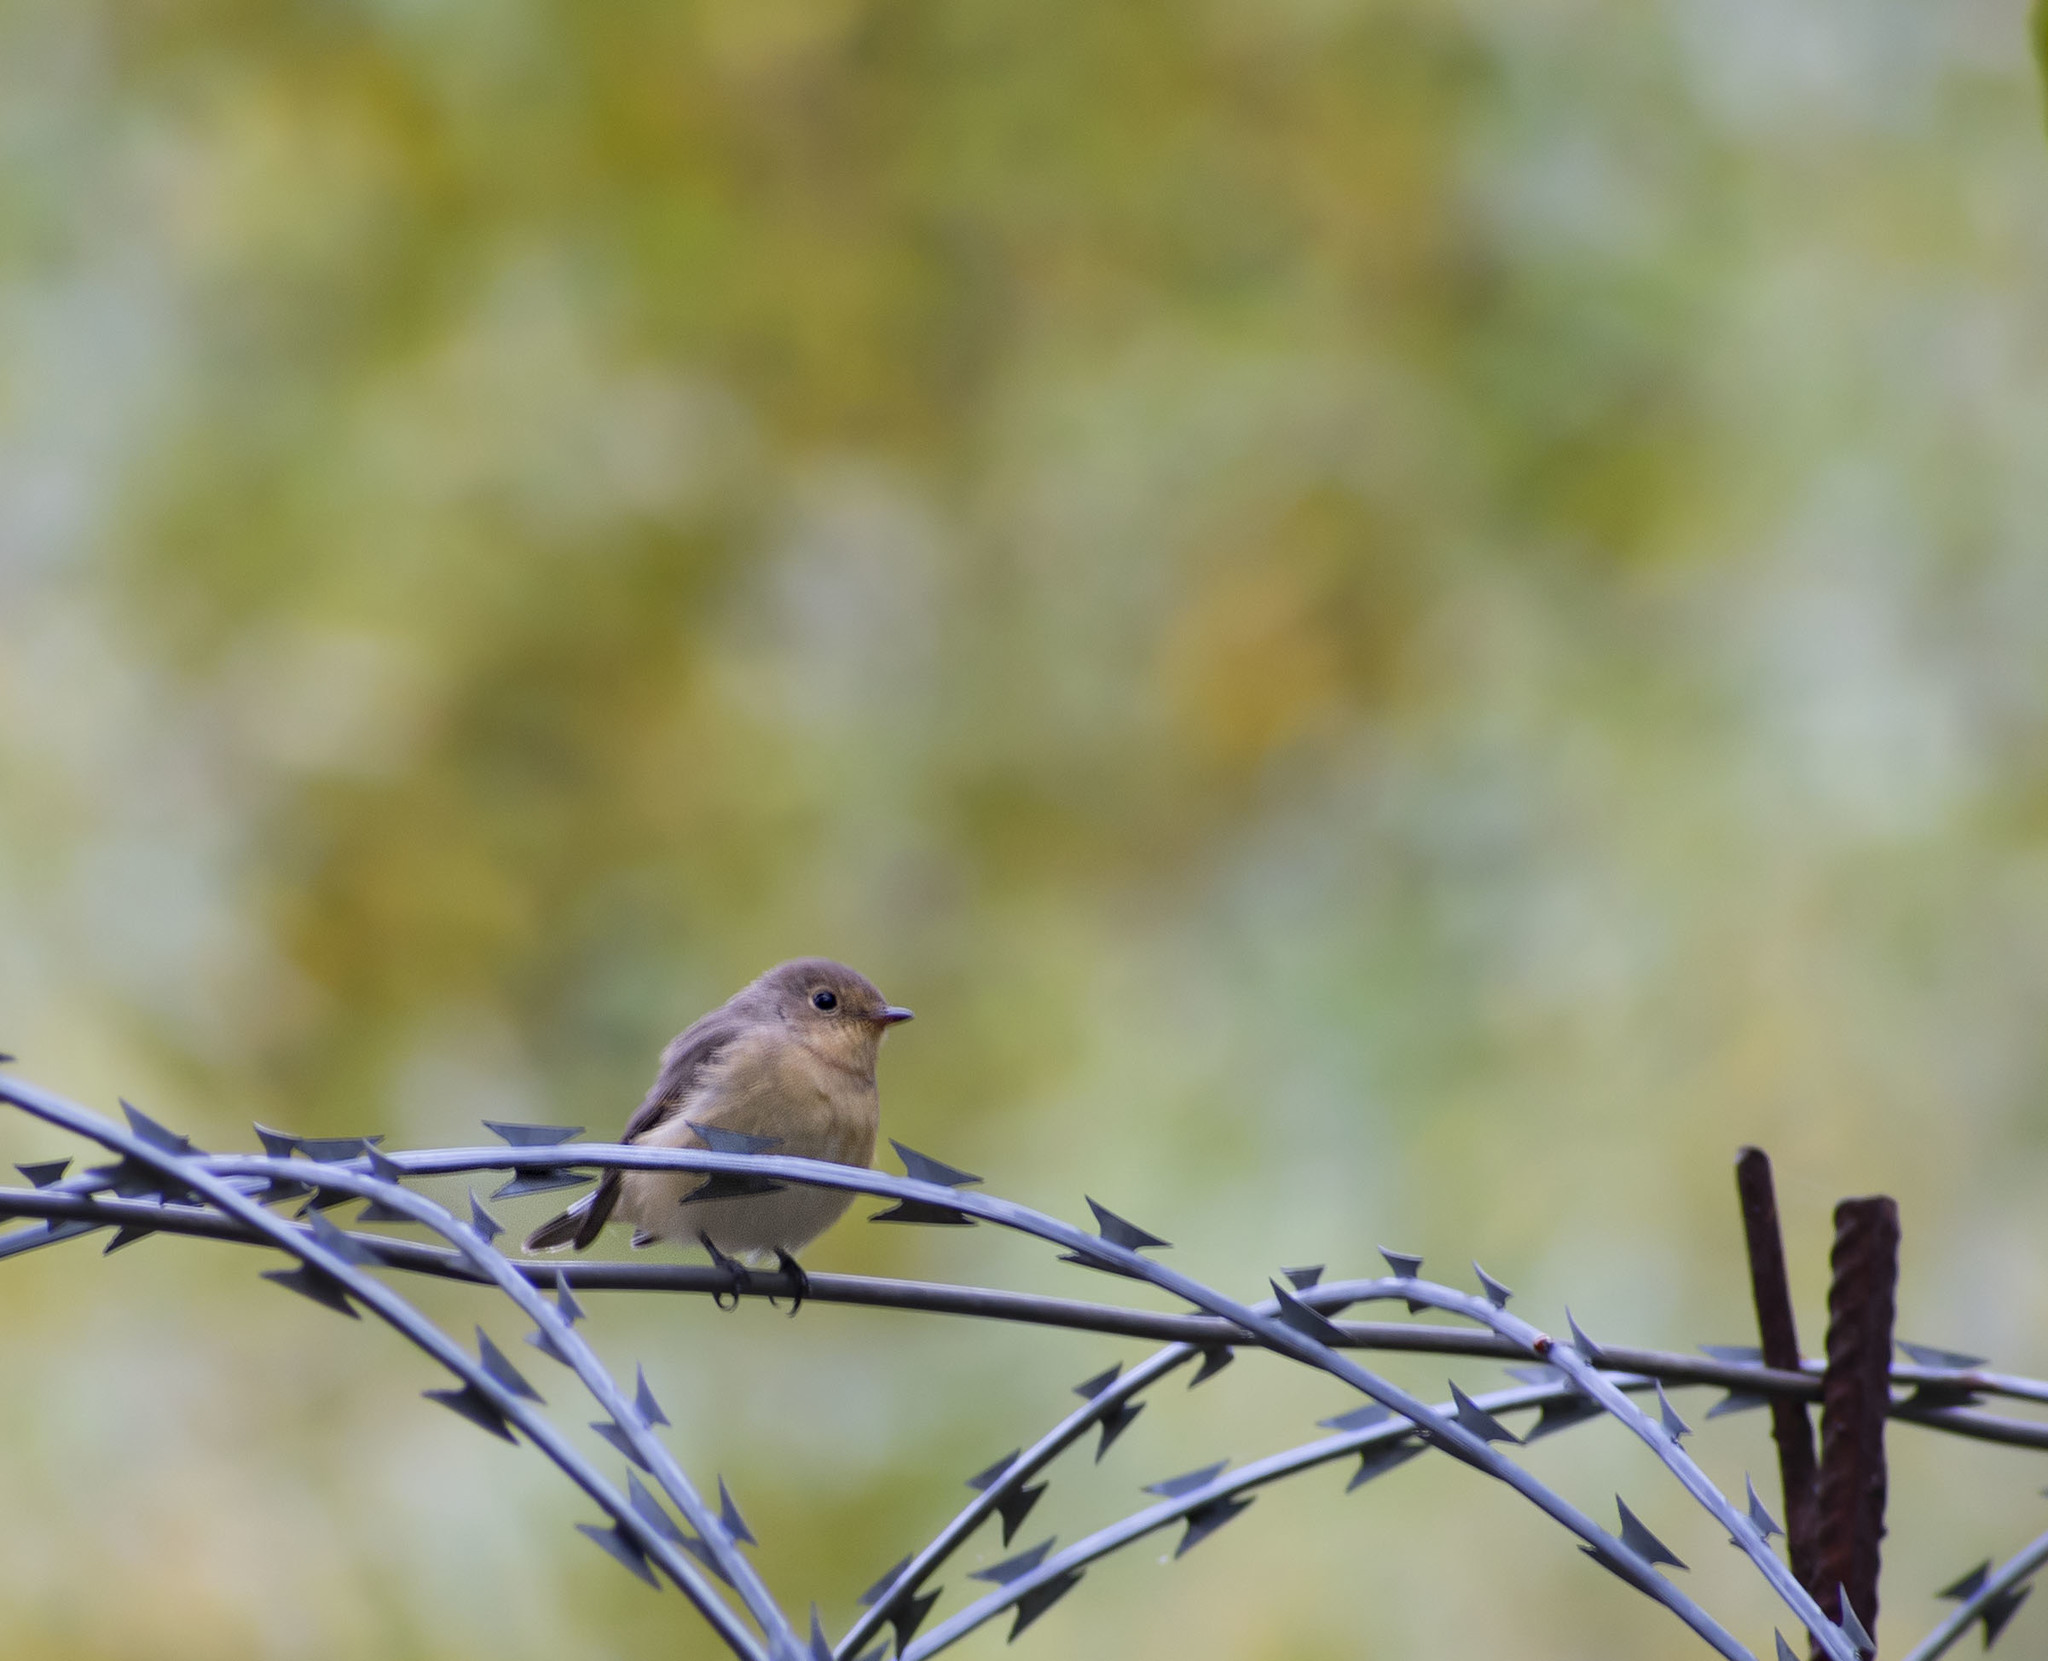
pixel 683 1064
pixel 690 1054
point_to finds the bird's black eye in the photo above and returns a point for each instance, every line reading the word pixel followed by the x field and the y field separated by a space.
pixel 824 1000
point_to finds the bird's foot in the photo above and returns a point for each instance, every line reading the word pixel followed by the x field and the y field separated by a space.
pixel 799 1282
pixel 737 1278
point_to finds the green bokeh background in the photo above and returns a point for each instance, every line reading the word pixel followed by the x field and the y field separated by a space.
pixel 1399 619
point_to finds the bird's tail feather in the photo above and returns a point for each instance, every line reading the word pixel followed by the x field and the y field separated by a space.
pixel 580 1225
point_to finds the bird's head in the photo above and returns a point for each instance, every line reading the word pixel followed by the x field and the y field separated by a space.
pixel 834 1009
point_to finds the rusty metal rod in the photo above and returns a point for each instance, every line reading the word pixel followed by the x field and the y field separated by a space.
pixel 1790 1426
pixel 1855 1398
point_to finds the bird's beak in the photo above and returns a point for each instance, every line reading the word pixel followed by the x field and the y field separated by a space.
pixel 891 1014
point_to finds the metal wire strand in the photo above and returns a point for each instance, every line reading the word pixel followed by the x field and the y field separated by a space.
pixel 192 1173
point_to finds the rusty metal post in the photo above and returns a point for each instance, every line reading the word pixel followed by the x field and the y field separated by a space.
pixel 1854 1397
pixel 1789 1423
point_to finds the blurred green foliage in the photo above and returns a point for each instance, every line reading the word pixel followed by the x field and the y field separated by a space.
pixel 1398 620
pixel 2040 22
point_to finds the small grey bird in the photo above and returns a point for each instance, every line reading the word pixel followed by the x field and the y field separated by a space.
pixel 790 1058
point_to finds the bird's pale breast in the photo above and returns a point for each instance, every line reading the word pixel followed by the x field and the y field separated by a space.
pixel 769 1085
